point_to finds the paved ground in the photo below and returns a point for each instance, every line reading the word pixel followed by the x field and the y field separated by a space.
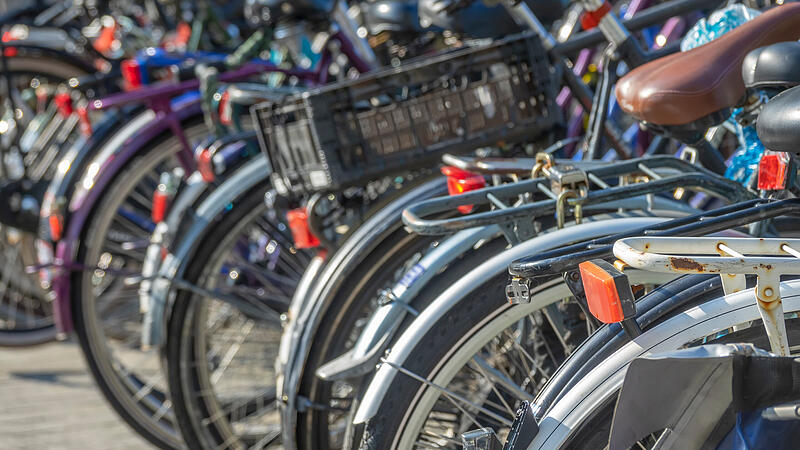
pixel 49 401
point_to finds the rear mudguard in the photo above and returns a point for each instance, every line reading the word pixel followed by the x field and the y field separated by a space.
pixel 686 326
pixel 160 239
pixel 385 322
pixel 309 304
pixel 50 43
pixel 462 290
pixel 246 178
pixel 99 173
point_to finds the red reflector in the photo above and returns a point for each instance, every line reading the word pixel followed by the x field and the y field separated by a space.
pixel 63 102
pixel 225 112
pixel 301 231
pixel 460 181
pixel 590 19
pixel 56 226
pixel 86 124
pixel 160 198
pixel 131 72
pixel 608 293
pixel 205 166
pixel 773 170
pixel 10 52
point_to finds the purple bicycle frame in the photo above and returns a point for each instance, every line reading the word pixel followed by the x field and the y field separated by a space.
pixel 167 119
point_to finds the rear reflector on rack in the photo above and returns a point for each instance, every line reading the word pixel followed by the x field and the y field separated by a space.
pixel 301 231
pixel 773 171
pixel 132 73
pixel 608 292
pixel 460 181
pixel 225 110
pixel 160 199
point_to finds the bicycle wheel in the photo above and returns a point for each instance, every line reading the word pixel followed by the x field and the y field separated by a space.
pixel 582 417
pixel 105 299
pixel 220 355
pixel 325 427
pixel 26 310
pixel 478 361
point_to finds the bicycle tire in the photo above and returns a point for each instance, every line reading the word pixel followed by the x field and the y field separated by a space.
pixel 60 70
pixel 116 388
pixel 677 328
pixel 458 334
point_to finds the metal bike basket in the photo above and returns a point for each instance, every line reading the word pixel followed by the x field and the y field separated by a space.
pixel 407 117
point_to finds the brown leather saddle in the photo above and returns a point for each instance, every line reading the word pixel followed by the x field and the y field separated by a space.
pixel 684 87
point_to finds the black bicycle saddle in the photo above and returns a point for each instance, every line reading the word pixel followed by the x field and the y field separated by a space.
pixel 779 122
pixel 773 66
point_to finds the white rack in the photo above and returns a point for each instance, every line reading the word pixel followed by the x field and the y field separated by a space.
pixel 732 259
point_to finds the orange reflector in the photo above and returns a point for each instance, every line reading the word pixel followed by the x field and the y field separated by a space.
pixel 301 231
pixel 590 19
pixel 773 171
pixel 105 40
pixel 204 165
pixel 608 292
pixel 461 181
pixel 56 227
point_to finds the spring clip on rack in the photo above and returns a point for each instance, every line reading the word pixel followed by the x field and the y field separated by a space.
pixel 732 259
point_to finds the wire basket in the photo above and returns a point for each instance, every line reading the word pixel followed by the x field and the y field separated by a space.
pixel 407 117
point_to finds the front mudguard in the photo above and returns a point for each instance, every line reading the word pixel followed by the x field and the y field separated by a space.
pixel 99 173
pixel 309 306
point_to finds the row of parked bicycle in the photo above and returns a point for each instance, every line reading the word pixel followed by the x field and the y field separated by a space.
pixel 411 223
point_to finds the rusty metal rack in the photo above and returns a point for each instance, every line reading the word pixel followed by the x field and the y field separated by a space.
pixel 568 189
pixel 732 259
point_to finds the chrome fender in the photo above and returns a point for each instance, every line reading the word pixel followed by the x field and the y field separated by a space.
pixel 309 306
pixel 175 262
pixel 404 346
